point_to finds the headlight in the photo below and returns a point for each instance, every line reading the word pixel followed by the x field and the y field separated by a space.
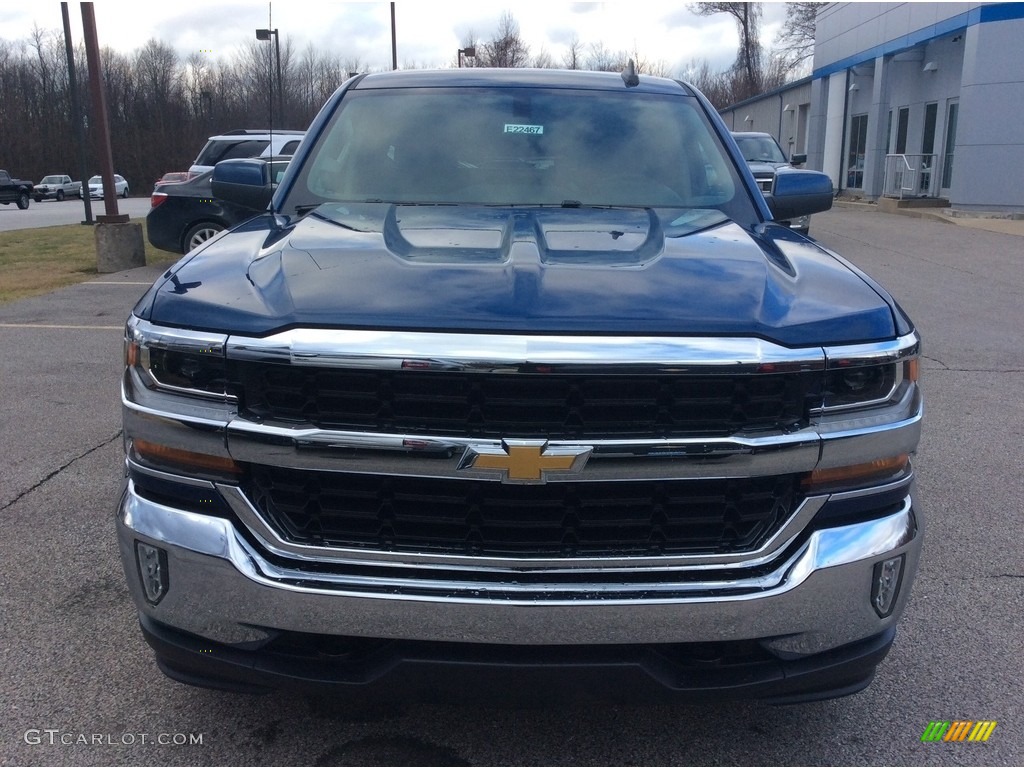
pixel 173 360
pixel 859 378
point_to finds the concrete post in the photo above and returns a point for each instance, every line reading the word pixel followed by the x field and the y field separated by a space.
pixel 832 163
pixel 119 246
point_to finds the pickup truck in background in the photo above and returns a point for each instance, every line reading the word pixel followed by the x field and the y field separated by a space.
pixel 765 157
pixel 518 381
pixel 56 187
pixel 14 190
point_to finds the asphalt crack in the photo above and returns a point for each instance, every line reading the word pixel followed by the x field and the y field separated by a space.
pixel 946 368
pixel 60 469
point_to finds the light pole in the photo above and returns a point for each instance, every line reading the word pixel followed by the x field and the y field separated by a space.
pixel 470 51
pixel 265 34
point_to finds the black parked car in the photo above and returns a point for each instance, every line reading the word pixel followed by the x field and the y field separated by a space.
pixel 184 215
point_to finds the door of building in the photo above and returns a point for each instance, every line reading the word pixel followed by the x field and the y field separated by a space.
pixel 949 146
pixel 899 175
pixel 927 183
pixel 902 124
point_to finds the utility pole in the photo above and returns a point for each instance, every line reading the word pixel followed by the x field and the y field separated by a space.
pixel 101 122
pixel 119 243
pixel 76 116
pixel 394 40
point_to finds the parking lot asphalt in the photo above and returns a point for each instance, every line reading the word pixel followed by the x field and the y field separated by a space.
pixel 50 213
pixel 990 221
pixel 80 687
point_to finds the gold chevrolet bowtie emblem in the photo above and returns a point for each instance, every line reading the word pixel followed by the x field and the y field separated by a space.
pixel 524 461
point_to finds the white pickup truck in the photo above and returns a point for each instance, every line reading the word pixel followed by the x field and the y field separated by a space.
pixel 56 187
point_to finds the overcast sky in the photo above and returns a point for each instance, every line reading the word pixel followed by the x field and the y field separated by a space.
pixel 429 32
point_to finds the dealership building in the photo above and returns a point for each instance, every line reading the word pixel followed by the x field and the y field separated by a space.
pixel 921 101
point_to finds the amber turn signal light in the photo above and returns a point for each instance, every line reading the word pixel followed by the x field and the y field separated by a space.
pixel 164 455
pixel 856 474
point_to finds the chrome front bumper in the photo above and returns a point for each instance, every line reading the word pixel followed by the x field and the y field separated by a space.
pixel 815 596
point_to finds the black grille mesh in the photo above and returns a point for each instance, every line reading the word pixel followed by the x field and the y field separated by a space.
pixel 469 517
pixel 529 405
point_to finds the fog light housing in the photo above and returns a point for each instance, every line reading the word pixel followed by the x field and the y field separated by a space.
pixel 885 585
pixel 152 562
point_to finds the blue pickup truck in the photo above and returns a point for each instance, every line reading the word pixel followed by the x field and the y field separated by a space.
pixel 517 382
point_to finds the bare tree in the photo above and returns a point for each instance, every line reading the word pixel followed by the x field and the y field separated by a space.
pixel 717 86
pixel 796 38
pixel 543 60
pixel 748 58
pixel 197 82
pixel 645 66
pixel 506 48
pixel 573 57
pixel 600 58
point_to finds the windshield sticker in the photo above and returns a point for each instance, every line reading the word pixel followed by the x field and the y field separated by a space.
pixel 534 130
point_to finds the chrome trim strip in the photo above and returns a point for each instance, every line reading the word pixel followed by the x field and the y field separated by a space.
pixel 175 339
pixel 272 542
pixel 220 397
pixel 875 353
pixel 500 353
pixel 135 467
pixel 194 425
pixel 835 546
pixel 440 457
pixel 855 440
pixel 903 483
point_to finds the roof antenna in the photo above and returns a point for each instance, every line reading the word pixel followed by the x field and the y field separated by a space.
pixel 629 75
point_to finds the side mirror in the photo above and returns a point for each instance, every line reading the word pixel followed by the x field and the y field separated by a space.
pixel 798 159
pixel 799 193
pixel 243 181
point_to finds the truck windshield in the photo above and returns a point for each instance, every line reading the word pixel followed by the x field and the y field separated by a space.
pixel 760 149
pixel 518 146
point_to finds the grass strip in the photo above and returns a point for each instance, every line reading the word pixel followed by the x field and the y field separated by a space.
pixel 37 261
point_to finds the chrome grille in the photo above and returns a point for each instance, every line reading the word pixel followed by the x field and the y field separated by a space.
pixel 468 517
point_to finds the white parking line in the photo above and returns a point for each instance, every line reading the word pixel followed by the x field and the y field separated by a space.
pixel 64 327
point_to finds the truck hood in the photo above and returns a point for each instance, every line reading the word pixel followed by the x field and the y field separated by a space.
pixel 520 270
pixel 759 168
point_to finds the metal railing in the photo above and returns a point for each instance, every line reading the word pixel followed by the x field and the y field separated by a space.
pixel 911 176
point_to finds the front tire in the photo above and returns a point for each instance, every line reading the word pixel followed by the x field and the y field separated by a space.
pixel 200 233
pixel 125 193
pixel 23 200
pixel 60 195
